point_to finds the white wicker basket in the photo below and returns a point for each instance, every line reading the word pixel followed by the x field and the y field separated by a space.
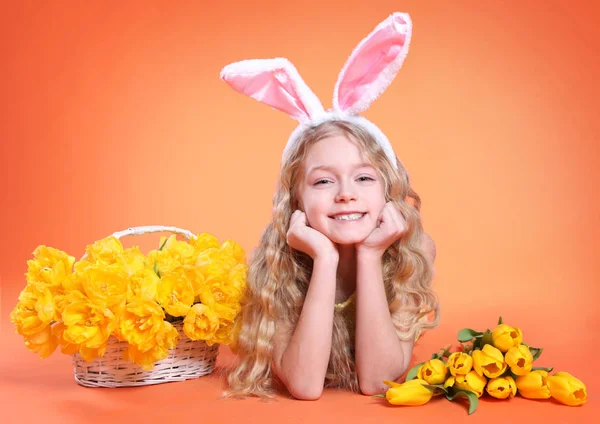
pixel 190 358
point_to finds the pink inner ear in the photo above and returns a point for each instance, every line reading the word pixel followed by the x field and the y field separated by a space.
pixel 370 61
pixel 273 87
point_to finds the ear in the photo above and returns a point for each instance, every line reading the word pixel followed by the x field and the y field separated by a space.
pixel 373 65
pixel 276 83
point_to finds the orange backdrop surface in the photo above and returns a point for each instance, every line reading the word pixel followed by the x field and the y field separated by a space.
pixel 113 115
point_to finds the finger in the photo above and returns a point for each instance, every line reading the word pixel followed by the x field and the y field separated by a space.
pixel 389 224
pixel 387 215
pixel 305 219
pixel 302 218
pixel 381 217
pixel 294 217
pixel 399 221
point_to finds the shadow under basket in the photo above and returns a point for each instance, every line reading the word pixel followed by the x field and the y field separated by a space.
pixel 189 359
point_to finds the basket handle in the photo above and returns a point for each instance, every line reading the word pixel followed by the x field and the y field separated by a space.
pixel 147 229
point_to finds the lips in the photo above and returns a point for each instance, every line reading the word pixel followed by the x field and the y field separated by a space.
pixel 348 217
pixel 346 213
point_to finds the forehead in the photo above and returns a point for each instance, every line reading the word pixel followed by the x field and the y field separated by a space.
pixel 335 152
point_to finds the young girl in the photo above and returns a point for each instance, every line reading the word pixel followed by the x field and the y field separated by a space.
pixel 340 285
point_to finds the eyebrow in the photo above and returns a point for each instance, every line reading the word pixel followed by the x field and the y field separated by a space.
pixel 329 168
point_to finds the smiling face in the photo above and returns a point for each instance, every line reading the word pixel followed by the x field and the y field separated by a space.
pixel 341 193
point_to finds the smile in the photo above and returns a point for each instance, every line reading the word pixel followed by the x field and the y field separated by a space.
pixel 349 217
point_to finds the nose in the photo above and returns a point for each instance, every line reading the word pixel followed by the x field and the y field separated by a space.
pixel 345 194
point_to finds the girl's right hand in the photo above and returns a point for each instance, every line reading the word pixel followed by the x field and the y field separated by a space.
pixel 308 240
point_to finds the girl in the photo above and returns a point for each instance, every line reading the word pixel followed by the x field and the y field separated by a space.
pixel 340 285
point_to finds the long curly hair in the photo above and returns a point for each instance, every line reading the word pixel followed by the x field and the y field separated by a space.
pixel 278 275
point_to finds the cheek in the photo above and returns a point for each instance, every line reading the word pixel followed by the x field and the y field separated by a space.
pixel 316 209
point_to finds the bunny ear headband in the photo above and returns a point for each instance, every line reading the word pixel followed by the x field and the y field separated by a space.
pixel 368 72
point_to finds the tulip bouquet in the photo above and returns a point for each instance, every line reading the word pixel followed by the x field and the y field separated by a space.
pixel 137 298
pixel 496 362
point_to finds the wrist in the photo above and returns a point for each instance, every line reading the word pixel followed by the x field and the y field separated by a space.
pixel 368 255
pixel 331 256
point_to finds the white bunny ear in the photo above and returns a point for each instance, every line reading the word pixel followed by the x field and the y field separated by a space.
pixel 276 83
pixel 373 65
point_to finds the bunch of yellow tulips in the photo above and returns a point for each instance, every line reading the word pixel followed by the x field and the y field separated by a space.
pixel 120 292
pixel 496 362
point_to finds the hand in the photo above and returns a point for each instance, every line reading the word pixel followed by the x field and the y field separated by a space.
pixel 390 227
pixel 308 240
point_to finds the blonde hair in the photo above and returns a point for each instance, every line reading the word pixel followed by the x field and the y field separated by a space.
pixel 279 275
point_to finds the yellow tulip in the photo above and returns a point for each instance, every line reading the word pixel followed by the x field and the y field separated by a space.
pixel 166 338
pixel 472 382
pixel 226 334
pixel 460 363
pixel 25 316
pixel 184 252
pixel 567 389
pixel 132 261
pixel 140 323
pixel 519 359
pixel 237 279
pixel 502 387
pixel 233 249
pixel 504 337
pixel 104 251
pixel 175 293
pixel 489 361
pixel 410 393
pixel 211 264
pixel 144 284
pixel 433 372
pixel 90 353
pixel 43 342
pixel 65 347
pixel 534 385
pixel 204 241
pixel 49 266
pixel 105 285
pixel 201 322
pixel 86 323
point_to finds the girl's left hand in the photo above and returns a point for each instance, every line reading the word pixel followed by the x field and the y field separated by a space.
pixel 390 227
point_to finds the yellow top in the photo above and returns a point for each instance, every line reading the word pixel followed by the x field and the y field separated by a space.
pixel 348 310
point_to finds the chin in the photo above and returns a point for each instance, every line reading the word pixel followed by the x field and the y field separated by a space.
pixel 348 240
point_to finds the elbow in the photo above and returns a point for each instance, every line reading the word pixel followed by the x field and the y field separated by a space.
pixel 305 391
pixel 300 385
pixel 370 388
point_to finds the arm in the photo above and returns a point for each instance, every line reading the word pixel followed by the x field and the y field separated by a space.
pixel 301 356
pixel 380 355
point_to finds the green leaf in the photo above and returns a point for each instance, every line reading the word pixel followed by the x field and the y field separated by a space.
pixel 413 372
pixel 163 244
pixel 477 342
pixel 465 394
pixel 467 334
pixel 548 370
pixel 436 388
pixel 536 352
pixel 487 339
pixel 378 396
pixel 500 321
pixel 156 271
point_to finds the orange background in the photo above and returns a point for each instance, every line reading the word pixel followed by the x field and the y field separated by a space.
pixel 114 116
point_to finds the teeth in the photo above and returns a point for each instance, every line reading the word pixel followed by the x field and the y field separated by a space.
pixel 350 217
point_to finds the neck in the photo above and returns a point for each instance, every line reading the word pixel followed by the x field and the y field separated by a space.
pixel 346 272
